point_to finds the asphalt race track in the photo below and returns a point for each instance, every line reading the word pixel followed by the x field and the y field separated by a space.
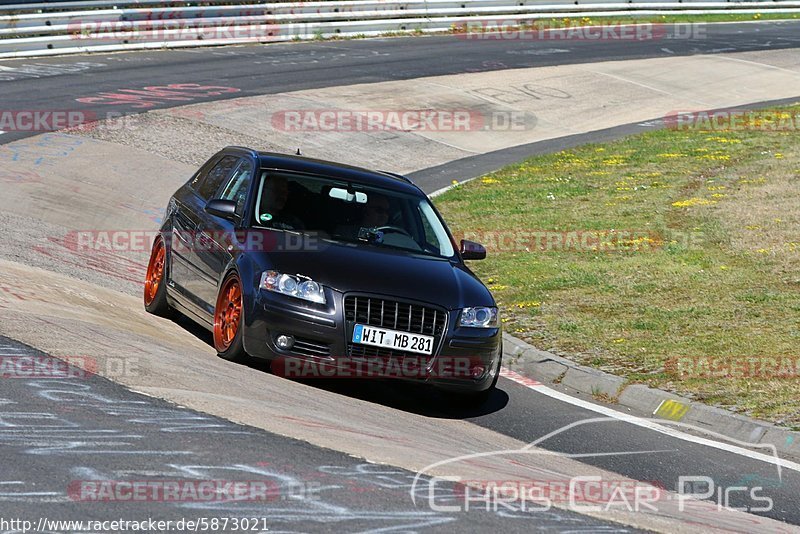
pixel 29 84
pixel 135 438
pixel 57 432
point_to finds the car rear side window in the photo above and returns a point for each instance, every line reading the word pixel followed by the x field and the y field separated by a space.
pixel 207 186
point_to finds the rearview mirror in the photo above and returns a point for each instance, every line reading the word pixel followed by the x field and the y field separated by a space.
pixel 343 194
pixel 471 250
pixel 221 208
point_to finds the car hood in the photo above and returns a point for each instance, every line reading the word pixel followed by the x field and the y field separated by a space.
pixel 383 271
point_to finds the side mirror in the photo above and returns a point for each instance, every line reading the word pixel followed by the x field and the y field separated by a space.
pixel 221 208
pixel 471 250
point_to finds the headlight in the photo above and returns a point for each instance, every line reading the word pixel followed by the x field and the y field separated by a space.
pixel 292 286
pixel 479 317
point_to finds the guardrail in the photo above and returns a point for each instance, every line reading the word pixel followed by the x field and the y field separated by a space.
pixel 66 27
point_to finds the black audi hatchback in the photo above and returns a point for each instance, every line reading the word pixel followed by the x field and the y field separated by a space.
pixel 326 270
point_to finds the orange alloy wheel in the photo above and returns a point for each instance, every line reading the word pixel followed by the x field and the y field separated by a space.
pixel 155 271
pixel 228 313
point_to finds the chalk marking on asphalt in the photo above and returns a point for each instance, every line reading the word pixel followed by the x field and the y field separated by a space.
pixel 644 423
pixel 764 65
pixel 462 149
pixel 632 82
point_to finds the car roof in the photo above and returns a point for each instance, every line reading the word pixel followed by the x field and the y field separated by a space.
pixel 340 171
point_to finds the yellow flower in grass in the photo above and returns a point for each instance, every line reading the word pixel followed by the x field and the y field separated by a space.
pixel 490 181
pixel 671 155
pixel 694 201
pixel 619 340
pixel 778 156
pixel 725 140
pixel 614 160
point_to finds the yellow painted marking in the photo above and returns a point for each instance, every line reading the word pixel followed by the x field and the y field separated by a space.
pixel 672 410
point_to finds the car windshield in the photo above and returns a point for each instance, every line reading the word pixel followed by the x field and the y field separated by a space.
pixel 349 212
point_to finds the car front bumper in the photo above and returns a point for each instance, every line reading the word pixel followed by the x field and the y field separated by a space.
pixel 464 359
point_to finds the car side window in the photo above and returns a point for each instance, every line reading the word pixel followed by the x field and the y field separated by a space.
pixel 208 186
pixel 237 186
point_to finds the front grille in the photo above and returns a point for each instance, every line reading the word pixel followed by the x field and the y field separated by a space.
pixel 394 315
pixel 308 347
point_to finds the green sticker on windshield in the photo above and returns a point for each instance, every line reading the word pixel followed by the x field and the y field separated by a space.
pixel 265 217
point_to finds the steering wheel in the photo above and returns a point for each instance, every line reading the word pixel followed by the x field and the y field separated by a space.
pixel 393 229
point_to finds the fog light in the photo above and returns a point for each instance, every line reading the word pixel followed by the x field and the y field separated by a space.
pixel 284 342
pixel 477 371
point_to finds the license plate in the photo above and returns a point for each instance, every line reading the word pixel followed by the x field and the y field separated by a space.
pixel 392 339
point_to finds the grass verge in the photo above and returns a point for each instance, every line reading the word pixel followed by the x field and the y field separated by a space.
pixel 670 258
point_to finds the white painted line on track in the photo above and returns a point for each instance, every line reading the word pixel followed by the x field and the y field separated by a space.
pixel 646 423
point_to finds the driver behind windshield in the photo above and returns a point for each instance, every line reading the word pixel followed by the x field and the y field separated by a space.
pixel 376 211
pixel 374 214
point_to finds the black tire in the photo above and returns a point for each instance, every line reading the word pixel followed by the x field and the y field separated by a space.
pixel 155 287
